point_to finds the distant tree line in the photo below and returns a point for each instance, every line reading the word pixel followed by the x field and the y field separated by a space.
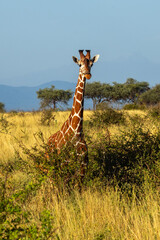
pixel 132 91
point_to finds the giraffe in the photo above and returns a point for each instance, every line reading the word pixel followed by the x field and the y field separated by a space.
pixel 72 128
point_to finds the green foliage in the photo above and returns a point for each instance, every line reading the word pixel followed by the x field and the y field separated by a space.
pixel 155 111
pixel 134 106
pixel 2 107
pixel 15 221
pixel 134 89
pixel 130 161
pixel 65 169
pixel 50 97
pixel 129 91
pixel 106 117
pixel 151 97
pixel 102 106
pixel 97 92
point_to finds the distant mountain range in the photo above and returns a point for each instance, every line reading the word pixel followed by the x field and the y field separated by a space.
pixel 25 98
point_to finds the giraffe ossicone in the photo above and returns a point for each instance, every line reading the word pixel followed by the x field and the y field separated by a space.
pixel 72 128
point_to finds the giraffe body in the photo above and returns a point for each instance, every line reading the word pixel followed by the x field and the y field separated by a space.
pixel 72 129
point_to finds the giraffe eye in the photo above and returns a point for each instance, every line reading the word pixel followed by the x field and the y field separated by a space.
pixel 80 65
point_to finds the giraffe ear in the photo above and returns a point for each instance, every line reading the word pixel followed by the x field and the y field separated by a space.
pixel 75 59
pixel 95 58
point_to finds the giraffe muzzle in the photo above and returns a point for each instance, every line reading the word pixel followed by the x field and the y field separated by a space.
pixel 87 75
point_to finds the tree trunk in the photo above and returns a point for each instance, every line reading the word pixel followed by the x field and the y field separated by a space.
pixel 94 104
pixel 54 105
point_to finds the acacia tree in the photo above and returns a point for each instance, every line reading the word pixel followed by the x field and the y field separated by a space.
pixel 151 97
pixel 50 97
pixel 98 92
pixel 129 91
pixel 134 89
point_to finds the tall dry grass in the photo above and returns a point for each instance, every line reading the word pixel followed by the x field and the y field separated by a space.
pixel 96 215
pixel 92 214
pixel 23 127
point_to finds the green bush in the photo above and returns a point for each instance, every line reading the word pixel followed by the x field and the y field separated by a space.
pixel 129 161
pixel 15 221
pixel 102 106
pixel 106 117
pixel 155 111
pixel 134 106
pixel 65 169
pixel 47 117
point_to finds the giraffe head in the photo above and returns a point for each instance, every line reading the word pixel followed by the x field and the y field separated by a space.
pixel 85 63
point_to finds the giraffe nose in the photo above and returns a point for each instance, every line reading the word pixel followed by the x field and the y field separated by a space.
pixel 88 75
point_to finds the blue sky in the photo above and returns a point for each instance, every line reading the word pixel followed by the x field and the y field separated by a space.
pixel 36 35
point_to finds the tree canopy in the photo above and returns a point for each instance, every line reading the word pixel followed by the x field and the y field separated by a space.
pixel 117 92
pixel 151 97
pixel 50 97
pixel 98 92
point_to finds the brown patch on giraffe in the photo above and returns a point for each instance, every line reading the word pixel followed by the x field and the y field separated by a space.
pixel 74 99
pixel 80 77
pixel 81 85
pixel 77 107
pixel 80 89
pixel 75 121
pixel 79 96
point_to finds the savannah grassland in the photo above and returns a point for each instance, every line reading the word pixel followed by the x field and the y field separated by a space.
pixel 99 211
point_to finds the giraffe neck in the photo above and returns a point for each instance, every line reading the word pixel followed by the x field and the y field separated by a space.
pixel 78 104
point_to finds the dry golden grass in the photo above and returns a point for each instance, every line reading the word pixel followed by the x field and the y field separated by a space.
pixel 91 215
pixel 100 215
pixel 24 127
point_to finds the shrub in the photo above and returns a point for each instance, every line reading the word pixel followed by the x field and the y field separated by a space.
pixel 129 161
pixel 155 111
pixel 15 221
pixel 106 117
pixel 47 117
pixel 65 169
pixel 134 106
pixel 102 106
